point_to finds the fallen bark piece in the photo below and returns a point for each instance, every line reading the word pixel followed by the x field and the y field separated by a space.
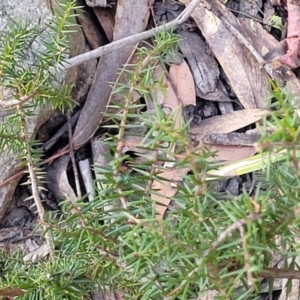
pixel 203 66
pixel 248 79
pixel 166 11
pixel 249 137
pixel 218 95
pixel 226 123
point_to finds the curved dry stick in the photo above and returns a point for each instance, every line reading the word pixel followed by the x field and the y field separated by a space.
pixel 79 59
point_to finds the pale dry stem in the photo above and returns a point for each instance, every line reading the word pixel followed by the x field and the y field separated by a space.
pixel 79 59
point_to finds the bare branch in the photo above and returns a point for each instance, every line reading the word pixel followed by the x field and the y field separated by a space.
pixel 14 103
pixel 236 225
pixel 279 273
pixel 77 60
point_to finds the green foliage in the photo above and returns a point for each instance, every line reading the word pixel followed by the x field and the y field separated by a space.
pixel 208 241
pixel 284 120
pixel 62 279
pixel 276 22
pixel 32 85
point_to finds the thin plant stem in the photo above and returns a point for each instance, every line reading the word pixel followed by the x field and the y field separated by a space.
pixel 236 225
pixel 34 182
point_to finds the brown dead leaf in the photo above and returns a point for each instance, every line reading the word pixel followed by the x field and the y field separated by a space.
pixel 230 154
pixel 166 190
pixel 107 70
pixel 90 31
pixel 105 17
pixel 11 292
pixel 183 83
pixel 248 79
pixel 170 100
pixel 118 98
pixel 167 97
pixel 226 123
pixel 127 11
pixel 265 42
